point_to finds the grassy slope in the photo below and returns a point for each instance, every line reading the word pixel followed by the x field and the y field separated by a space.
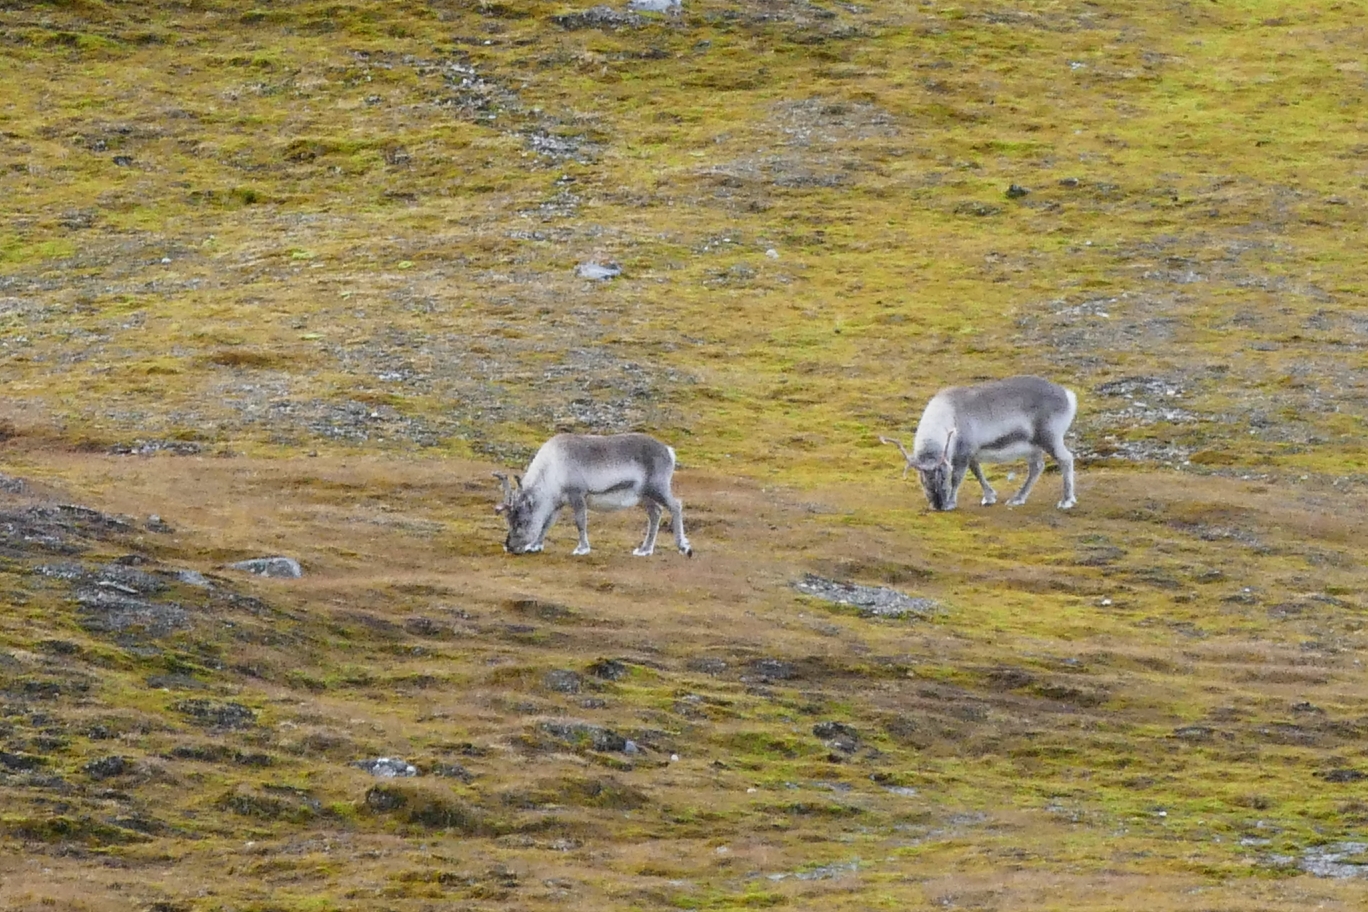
pixel 337 230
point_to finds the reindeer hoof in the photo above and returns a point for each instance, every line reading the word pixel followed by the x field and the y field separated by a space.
pixel 988 501
pixel 644 552
pixel 581 549
pixel 687 551
pixel 1066 504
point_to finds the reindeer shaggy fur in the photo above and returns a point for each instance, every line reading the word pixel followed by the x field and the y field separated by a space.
pixel 589 472
pixel 998 421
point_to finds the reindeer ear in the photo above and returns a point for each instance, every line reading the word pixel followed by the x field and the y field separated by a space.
pixel 518 479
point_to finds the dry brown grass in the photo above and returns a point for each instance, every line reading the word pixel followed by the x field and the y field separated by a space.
pixel 1021 681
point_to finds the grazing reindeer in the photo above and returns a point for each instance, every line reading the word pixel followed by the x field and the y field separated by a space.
pixel 582 470
pixel 991 422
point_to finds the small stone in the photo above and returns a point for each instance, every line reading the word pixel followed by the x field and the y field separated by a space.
pixel 599 272
pixel 275 567
pixel 772 254
pixel 192 578
pixel 1016 191
pixel 654 6
pixel 562 681
pixel 156 524
pixel 453 771
pixel 387 767
pixel 123 161
pixel 106 767
pixel 609 669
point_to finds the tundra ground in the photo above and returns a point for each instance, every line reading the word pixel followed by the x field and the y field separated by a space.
pixel 294 280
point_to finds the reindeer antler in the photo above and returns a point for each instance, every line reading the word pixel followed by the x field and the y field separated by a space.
pixel 901 449
pixel 949 438
pixel 507 491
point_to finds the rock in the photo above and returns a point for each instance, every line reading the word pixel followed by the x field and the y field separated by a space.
pixel 453 771
pixel 382 799
pixel 600 272
pixel 155 524
pixel 838 736
pixel 1193 733
pixel 19 762
pixel 597 17
pixel 1342 775
pixel 872 601
pixel 11 485
pixel 423 626
pixel 1342 859
pixel 562 681
pixel 584 734
pixel 1016 191
pixel 655 6
pixel 609 669
pixel 774 669
pixel 835 730
pixel 217 715
pixel 387 767
pixel 708 665
pixel 274 567
pixel 191 578
pixel 106 767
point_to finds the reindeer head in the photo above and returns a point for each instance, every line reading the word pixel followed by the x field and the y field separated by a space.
pixel 937 476
pixel 936 472
pixel 519 509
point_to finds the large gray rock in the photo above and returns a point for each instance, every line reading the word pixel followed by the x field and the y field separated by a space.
pixel 276 567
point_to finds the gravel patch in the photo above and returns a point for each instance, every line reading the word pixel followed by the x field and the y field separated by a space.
pixel 872 601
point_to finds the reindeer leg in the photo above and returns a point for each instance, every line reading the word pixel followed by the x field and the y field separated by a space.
pixel 957 471
pixel 581 508
pixel 989 495
pixel 666 498
pixel 1034 466
pixel 1065 459
pixel 653 514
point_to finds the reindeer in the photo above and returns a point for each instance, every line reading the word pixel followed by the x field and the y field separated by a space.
pixel 996 421
pixel 586 471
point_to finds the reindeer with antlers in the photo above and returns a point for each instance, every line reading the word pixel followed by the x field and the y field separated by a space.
pixel 590 472
pixel 998 421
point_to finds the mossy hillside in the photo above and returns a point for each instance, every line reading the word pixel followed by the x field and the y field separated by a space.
pixel 880 186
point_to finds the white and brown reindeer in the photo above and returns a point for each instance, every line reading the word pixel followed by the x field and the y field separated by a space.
pixel 586 472
pixel 998 421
